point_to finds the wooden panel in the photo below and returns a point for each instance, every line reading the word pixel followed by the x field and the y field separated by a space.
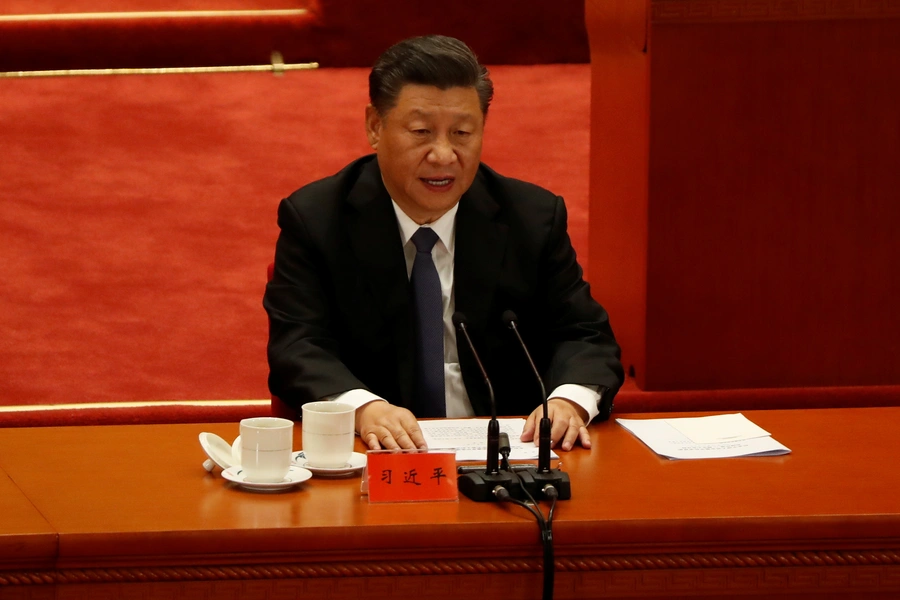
pixel 26 539
pixel 139 493
pixel 620 146
pixel 773 259
pixel 837 584
pixel 767 247
pixel 754 11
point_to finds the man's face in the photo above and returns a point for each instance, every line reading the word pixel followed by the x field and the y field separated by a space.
pixel 429 147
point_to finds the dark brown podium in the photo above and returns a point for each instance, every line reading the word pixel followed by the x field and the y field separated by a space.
pixel 745 190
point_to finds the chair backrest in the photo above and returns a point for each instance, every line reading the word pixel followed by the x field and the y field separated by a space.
pixel 279 407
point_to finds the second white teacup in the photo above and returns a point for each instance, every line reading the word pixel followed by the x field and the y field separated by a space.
pixel 266 444
pixel 328 432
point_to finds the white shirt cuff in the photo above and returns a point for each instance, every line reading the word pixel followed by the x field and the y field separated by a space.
pixel 355 398
pixel 586 397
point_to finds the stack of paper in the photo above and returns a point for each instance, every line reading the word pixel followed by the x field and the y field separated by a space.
pixel 469 438
pixel 720 436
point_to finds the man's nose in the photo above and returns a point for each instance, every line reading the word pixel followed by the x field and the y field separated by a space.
pixel 442 151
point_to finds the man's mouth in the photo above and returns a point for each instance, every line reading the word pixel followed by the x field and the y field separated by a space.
pixel 439 182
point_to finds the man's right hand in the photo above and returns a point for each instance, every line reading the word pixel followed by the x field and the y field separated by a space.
pixel 383 425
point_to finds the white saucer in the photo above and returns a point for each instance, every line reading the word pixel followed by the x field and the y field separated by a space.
pixel 356 464
pixel 295 476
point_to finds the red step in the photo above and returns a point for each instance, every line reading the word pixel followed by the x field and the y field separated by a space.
pixel 94 34
pixel 102 34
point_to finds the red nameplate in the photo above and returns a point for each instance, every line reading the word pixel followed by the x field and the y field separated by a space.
pixel 411 476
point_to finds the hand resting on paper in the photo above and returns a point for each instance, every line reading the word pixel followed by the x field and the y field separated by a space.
pixel 567 421
pixel 383 425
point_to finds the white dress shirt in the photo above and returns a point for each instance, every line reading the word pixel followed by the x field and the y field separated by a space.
pixel 457 400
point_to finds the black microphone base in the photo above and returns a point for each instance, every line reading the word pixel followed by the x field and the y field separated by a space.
pixel 534 481
pixel 480 486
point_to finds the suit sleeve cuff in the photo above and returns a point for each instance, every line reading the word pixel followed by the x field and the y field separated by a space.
pixel 586 397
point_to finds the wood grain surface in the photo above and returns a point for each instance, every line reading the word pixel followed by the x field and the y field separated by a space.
pixel 744 190
pixel 129 500
pixel 26 538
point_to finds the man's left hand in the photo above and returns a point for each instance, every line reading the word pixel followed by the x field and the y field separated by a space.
pixel 567 421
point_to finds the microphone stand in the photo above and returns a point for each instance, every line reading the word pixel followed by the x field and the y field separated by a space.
pixel 537 480
pixel 483 486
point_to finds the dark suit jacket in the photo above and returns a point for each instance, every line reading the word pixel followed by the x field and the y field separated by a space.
pixel 339 301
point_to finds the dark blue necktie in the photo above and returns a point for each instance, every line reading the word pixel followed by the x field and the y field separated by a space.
pixel 429 310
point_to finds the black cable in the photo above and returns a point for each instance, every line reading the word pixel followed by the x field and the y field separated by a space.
pixel 545 530
pixel 545 525
pixel 552 493
pixel 549 565
pixel 502 494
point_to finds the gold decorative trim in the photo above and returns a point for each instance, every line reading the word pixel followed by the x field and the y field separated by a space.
pixel 755 560
pixel 130 405
pixel 726 11
pixel 169 14
pixel 276 68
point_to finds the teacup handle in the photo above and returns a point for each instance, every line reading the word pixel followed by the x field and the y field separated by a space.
pixel 236 451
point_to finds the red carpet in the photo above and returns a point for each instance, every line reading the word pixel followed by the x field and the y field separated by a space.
pixel 138 216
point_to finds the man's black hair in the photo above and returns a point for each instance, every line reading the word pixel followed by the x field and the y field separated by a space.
pixel 436 60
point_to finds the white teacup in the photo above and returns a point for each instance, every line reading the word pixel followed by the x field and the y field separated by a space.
pixel 328 431
pixel 264 448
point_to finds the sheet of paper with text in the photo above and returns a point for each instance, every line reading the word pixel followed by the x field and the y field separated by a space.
pixel 469 438
pixel 724 436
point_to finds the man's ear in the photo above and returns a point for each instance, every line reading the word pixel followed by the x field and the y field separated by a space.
pixel 373 126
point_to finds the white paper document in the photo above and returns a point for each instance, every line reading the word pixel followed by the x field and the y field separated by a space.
pixel 726 437
pixel 718 429
pixel 469 438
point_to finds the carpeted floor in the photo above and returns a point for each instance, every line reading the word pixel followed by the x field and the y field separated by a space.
pixel 138 216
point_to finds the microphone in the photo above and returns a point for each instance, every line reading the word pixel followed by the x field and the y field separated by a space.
pixel 480 486
pixel 544 475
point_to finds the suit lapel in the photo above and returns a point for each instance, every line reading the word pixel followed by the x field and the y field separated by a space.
pixel 480 247
pixel 375 240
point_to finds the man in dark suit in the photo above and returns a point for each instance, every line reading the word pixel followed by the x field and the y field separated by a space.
pixel 372 262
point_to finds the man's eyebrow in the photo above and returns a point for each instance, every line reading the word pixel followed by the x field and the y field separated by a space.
pixel 420 112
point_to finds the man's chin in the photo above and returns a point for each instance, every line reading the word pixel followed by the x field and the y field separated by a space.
pixel 434 206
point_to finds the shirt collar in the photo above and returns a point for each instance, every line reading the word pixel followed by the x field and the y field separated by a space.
pixel 445 227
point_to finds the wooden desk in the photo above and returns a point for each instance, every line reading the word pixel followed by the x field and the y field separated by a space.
pixel 137 516
pixel 27 541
